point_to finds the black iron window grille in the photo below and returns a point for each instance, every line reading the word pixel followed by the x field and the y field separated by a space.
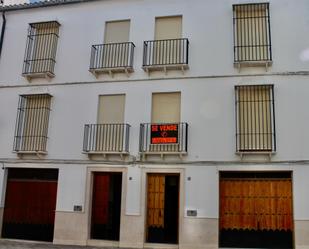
pixel 166 52
pixel 255 118
pixel 41 48
pixel 32 123
pixel 252 41
pixel 112 56
pixel 106 138
pixel 146 145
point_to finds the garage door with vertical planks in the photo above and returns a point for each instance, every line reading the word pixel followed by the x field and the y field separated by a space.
pixel 256 210
pixel 30 203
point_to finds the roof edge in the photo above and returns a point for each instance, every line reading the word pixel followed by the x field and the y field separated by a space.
pixel 42 4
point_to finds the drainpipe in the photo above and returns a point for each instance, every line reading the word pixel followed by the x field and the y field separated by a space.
pixel 2 31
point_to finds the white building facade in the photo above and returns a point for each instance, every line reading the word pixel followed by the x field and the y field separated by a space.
pixel 169 124
pixel 12 2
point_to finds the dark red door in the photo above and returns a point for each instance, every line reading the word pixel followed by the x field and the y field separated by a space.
pixel 30 204
pixel 106 205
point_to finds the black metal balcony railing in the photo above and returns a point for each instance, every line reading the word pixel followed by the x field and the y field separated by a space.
pixel 106 138
pixel 166 52
pixel 32 143
pixel 112 55
pixel 146 144
pixel 252 38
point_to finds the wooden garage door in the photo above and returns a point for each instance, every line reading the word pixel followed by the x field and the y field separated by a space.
pixel 256 204
pixel 30 204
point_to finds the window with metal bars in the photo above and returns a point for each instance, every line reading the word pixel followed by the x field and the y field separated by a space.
pixel 252 41
pixel 32 123
pixel 41 49
pixel 255 119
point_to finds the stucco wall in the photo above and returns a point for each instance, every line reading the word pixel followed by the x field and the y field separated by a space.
pixel 71 187
pixel 207 93
pixel 211 52
pixel 202 188
pixel 200 193
pixel 207 105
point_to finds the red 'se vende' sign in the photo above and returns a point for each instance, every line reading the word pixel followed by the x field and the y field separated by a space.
pixel 164 133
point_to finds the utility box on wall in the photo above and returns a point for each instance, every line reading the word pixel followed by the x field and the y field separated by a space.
pixel 192 213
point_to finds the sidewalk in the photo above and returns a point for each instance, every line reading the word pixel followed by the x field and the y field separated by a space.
pixel 11 244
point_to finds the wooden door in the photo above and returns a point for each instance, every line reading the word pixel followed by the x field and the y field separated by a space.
pixel 100 198
pixel 155 200
pixel 162 208
pixel 256 204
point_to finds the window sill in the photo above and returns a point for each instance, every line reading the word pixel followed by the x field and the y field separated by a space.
pixel 111 71
pixel 106 153
pixel 39 154
pixel 30 152
pixel 254 153
pixel 165 68
pixel 46 75
pixel 242 64
pixel 162 154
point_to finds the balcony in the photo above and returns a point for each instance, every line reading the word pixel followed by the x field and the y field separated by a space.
pixel 41 48
pixel 163 55
pixel 32 124
pixel 32 144
pixel 39 68
pixel 255 120
pixel 163 139
pixel 106 139
pixel 112 58
pixel 252 36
